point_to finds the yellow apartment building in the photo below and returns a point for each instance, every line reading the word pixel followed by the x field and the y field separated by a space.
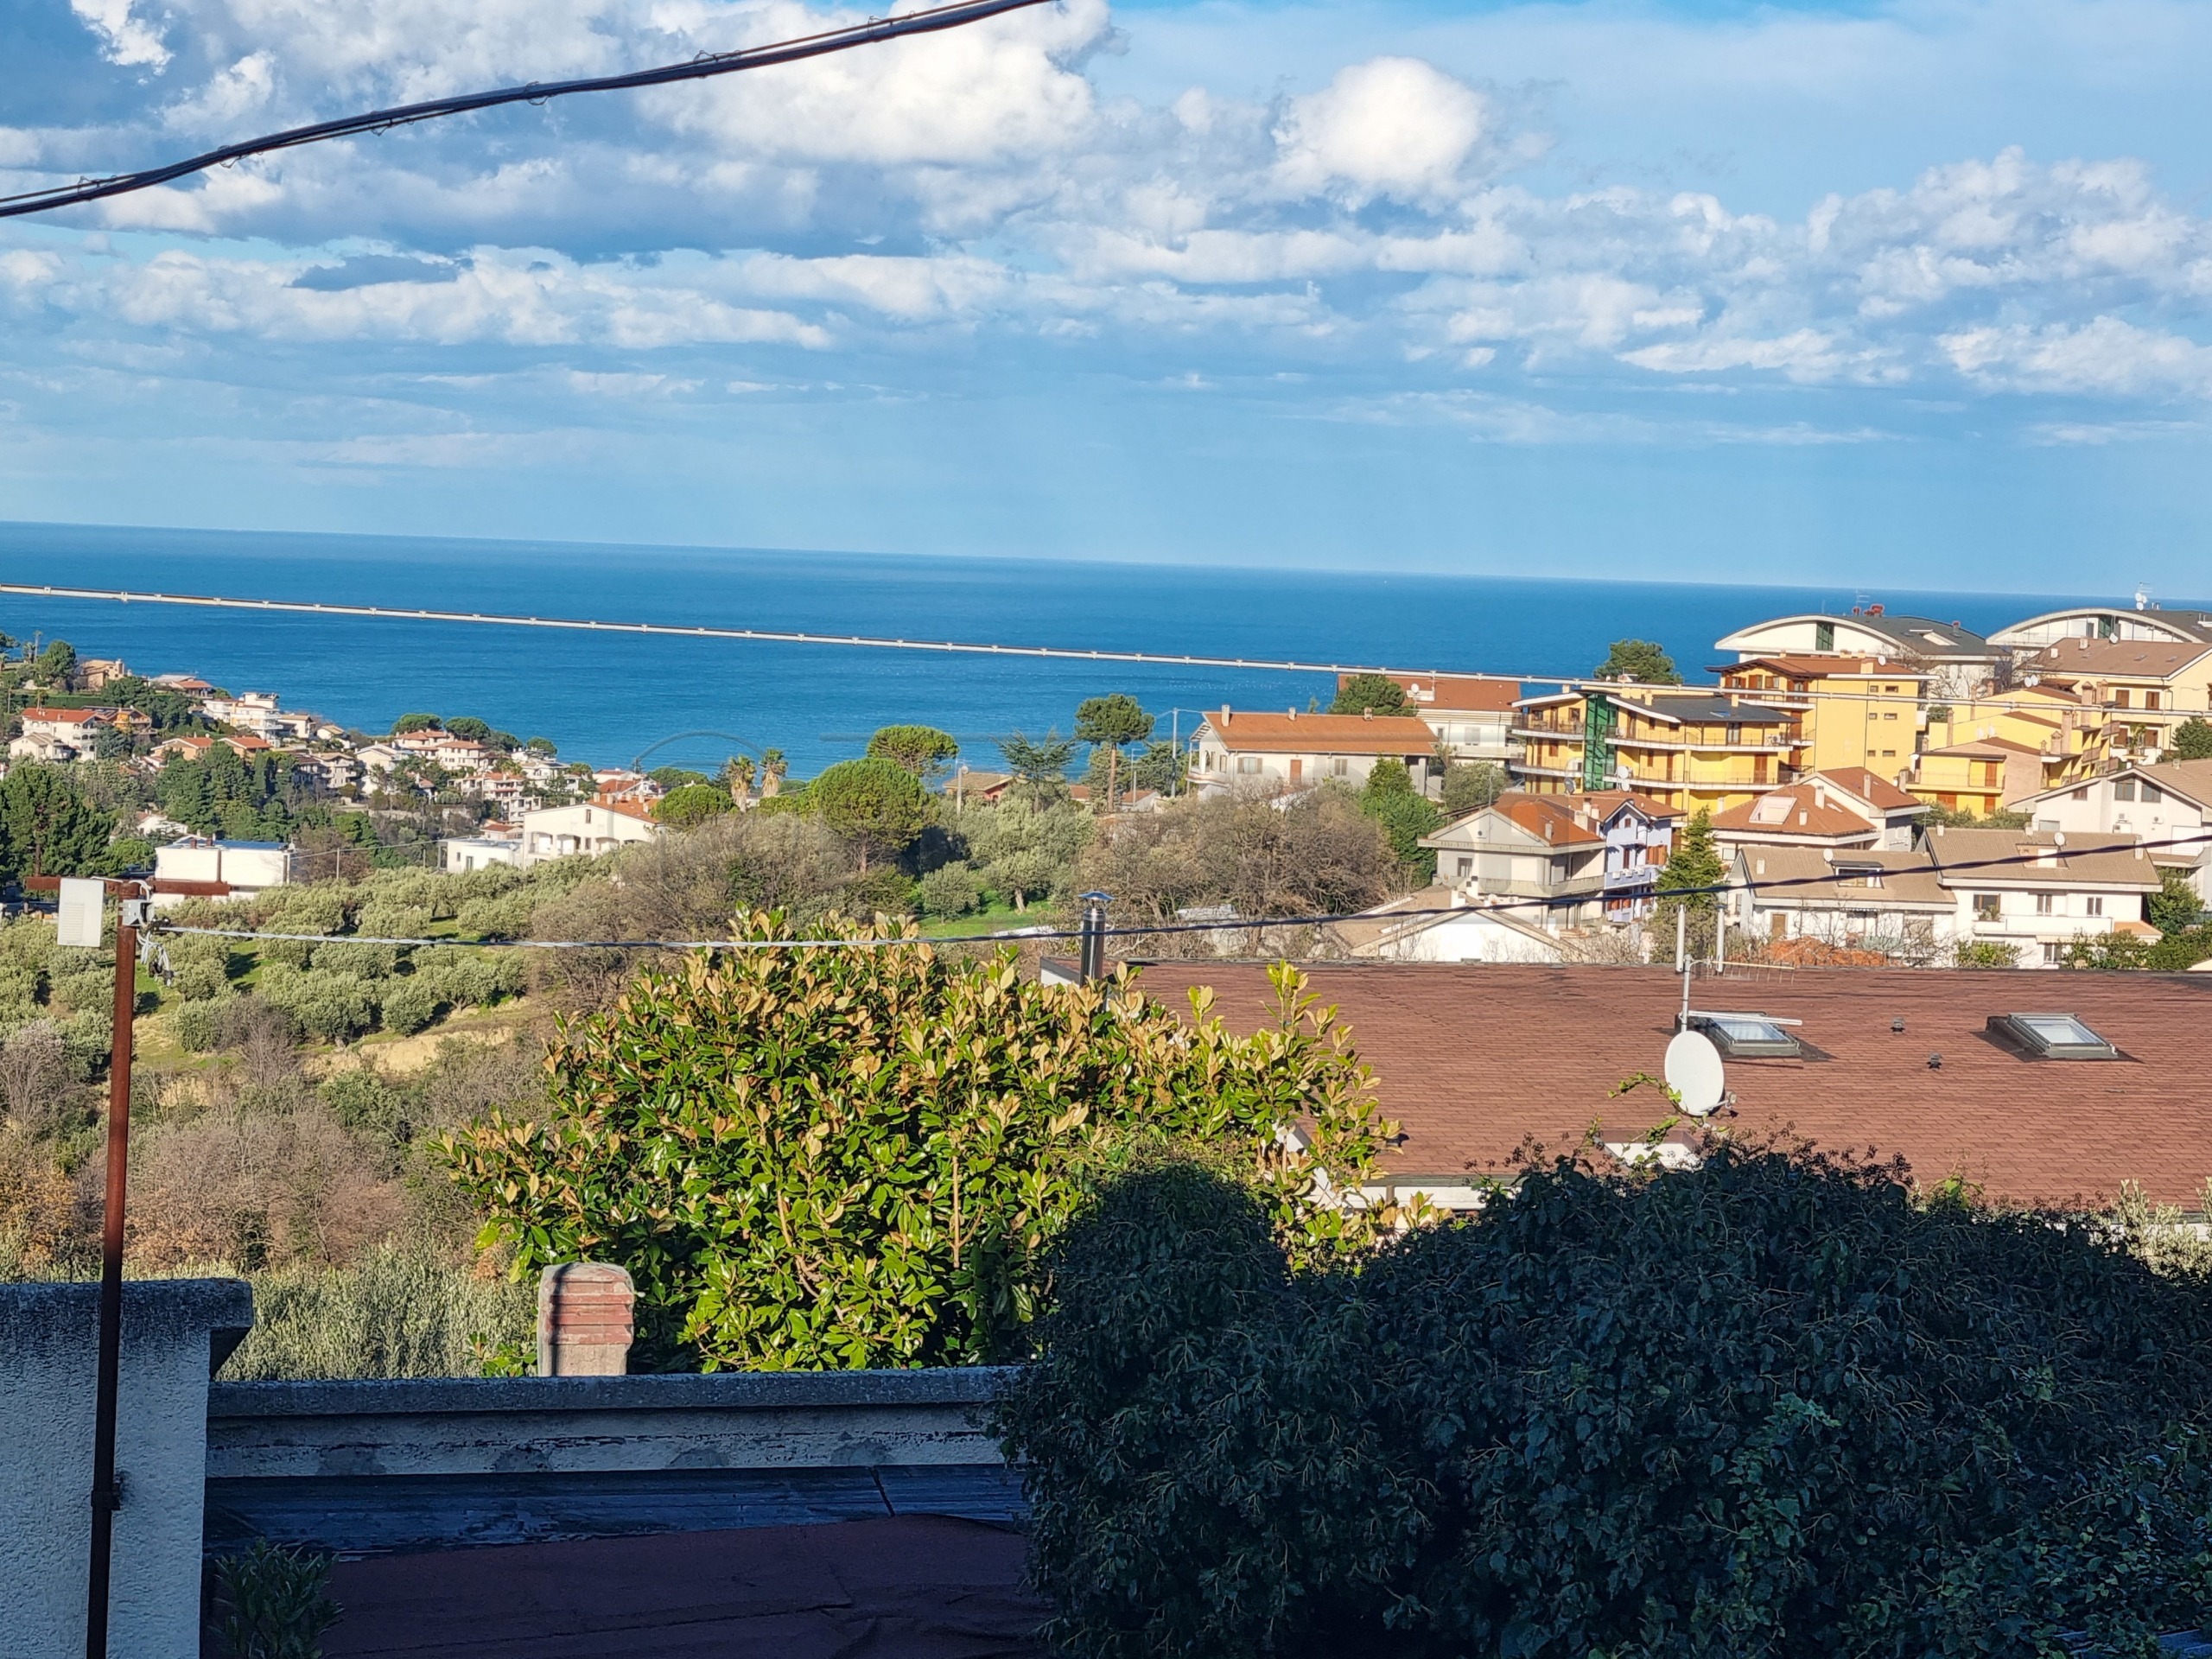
pixel 1845 711
pixel 1681 747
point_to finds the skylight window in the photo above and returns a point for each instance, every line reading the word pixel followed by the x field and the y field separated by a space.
pixel 1749 1036
pixel 2052 1037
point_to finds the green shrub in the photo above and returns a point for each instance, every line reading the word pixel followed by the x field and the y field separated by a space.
pixel 823 1159
pixel 198 1025
pixel 1771 1406
pixel 950 890
pixel 333 1007
pixel 505 916
pixel 273 1603
pixel 201 968
pixel 387 918
pixel 408 1005
pixel 317 908
pixel 362 960
pixel 396 1311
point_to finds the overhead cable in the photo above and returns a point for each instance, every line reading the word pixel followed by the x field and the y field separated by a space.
pixel 703 67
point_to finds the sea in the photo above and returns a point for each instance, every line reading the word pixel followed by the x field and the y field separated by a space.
pixel 613 700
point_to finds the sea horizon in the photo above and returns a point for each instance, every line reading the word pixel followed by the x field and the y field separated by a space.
pixel 606 698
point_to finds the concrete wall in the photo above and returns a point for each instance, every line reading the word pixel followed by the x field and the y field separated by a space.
pixel 174 1330
pixel 419 1465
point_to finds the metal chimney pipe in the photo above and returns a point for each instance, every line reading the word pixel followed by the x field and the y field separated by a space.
pixel 1093 965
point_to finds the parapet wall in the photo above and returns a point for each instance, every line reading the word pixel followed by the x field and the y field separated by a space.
pixel 416 1465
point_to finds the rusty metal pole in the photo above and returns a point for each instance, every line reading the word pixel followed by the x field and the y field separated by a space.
pixel 106 1496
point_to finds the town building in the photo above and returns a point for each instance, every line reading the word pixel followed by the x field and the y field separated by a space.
pixel 97 673
pixel 2169 807
pixel 250 711
pixel 1236 750
pixel 1955 658
pixel 2104 622
pixel 1847 711
pixel 1471 714
pixel 1681 747
pixel 58 736
pixel 1861 898
pixel 589 828
pixel 1978 776
pixel 1563 861
pixel 2134 692
pixel 1847 807
pixel 2040 890
pixel 1443 925
pixel 458 855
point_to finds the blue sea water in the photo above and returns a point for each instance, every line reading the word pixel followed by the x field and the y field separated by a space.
pixel 605 699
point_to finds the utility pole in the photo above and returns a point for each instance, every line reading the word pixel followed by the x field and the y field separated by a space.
pixel 79 923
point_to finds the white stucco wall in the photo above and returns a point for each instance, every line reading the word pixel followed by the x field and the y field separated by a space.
pixel 48 1353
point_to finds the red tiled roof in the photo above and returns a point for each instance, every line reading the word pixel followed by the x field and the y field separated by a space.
pixel 65 716
pixel 1795 809
pixel 1440 693
pixel 1547 817
pixel 1288 733
pixel 1871 787
pixel 1473 1060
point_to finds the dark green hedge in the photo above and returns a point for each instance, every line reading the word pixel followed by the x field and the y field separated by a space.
pixel 1771 1406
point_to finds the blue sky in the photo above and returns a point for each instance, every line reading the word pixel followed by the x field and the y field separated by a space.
pixel 1911 293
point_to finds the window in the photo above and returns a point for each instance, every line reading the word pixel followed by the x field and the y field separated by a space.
pixel 1248 763
pixel 1889 715
pixel 2124 789
pixel 2080 794
pixel 2150 699
pixel 2054 953
pixel 2044 904
pixel 2152 795
pixel 1984 907
pixel 1340 767
pixel 1823 636
pixel 2094 904
pixel 1467 867
pixel 2051 1036
pixel 2119 697
pixel 1749 1036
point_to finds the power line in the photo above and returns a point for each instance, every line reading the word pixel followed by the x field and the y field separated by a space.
pixel 703 67
pixel 1748 697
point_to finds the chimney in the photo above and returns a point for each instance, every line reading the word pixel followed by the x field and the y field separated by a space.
pixel 1367 714
pixel 1293 714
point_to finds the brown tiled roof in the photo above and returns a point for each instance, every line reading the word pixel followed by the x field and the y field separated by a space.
pixel 1549 819
pixel 1289 734
pixel 1855 663
pixel 1475 1060
pixel 2155 659
pixel 1992 748
pixel 1792 810
pixel 2191 779
pixel 1604 802
pixel 2083 861
pixel 66 716
pixel 1446 693
pixel 1799 875
pixel 1871 788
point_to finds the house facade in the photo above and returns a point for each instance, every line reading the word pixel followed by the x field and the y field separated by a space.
pixel 1240 750
pixel 2040 890
pixel 244 868
pixel 1563 861
pixel 590 828
pixel 1955 658
pixel 1682 747
pixel 1471 714
pixel 2169 807
pixel 1849 807
pixel 1848 711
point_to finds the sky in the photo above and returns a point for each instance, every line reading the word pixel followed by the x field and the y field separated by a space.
pixel 1913 293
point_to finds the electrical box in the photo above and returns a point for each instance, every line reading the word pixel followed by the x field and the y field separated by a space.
pixel 80 921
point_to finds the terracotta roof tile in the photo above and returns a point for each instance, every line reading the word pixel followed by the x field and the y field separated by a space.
pixel 1475 1060
pixel 1247 729
pixel 1441 693
pixel 1871 788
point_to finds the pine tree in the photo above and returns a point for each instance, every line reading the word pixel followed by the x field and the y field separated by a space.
pixel 1695 864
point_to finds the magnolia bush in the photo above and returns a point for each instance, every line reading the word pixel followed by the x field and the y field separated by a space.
pixel 815 1158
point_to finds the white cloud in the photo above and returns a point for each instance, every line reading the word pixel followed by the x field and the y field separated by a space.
pixel 123 38
pixel 2105 356
pixel 1393 127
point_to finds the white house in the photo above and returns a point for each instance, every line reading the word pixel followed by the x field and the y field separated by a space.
pixel 2040 890
pixel 59 735
pixel 1238 750
pixel 2104 622
pixel 457 853
pixel 250 711
pixel 592 827
pixel 1455 929
pixel 1471 714
pixel 1956 658
pixel 1588 857
pixel 2171 803
pixel 1847 807
pixel 244 867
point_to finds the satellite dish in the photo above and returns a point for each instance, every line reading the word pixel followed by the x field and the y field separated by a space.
pixel 1693 1072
